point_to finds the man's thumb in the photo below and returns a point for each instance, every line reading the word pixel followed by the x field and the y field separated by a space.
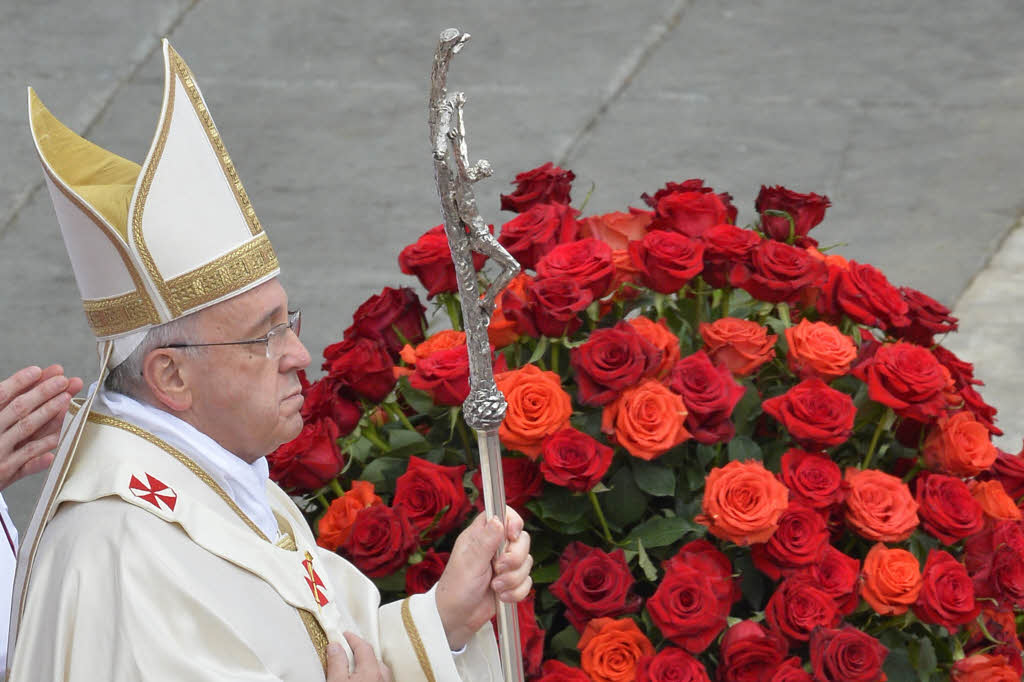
pixel 337 663
pixel 485 538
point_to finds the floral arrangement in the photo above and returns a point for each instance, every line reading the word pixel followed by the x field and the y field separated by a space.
pixel 740 457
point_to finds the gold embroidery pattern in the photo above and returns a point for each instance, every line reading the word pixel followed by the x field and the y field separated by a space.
pixel 417 642
pixel 316 633
pixel 232 271
pixel 189 82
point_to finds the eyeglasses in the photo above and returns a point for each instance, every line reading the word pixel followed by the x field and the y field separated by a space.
pixel 275 339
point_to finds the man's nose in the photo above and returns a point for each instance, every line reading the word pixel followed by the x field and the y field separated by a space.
pixel 295 356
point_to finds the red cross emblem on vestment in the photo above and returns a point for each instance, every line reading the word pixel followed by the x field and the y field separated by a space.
pixel 313 580
pixel 156 493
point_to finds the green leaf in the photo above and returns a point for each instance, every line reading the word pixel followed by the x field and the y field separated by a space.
pixel 383 471
pixel 897 665
pixel 653 478
pixel 418 400
pixel 565 641
pixel 538 352
pixel 625 503
pixel 650 572
pixel 753 583
pixel 921 544
pixel 391 583
pixel 747 410
pixel 562 505
pixel 548 573
pixel 743 448
pixel 660 531
pixel 924 659
pixel 401 437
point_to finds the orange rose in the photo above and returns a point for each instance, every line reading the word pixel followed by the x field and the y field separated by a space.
pixel 741 345
pixel 626 273
pixel 502 331
pixel 646 419
pixel 994 500
pixel 442 340
pixel 662 339
pixel 892 580
pixel 879 506
pixel 819 349
pixel 984 668
pixel 833 260
pixel 959 445
pixel 615 229
pixel 742 503
pixel 336 525
pixel 610 649
pixel 537 407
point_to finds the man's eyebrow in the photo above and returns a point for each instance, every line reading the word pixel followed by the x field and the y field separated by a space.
pixel 263 325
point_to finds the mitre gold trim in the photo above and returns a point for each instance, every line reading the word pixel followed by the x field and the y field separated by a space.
pixel 247 264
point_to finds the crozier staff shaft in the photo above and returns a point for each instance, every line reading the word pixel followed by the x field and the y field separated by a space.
pixel 484 408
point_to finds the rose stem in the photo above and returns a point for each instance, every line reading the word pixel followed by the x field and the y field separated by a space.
pixel 467 452
pixel 874 439
pixel 554 356
pixel 373 437
pixel 600 515
pixel 397 412
pixel 452 306
pixel 336 487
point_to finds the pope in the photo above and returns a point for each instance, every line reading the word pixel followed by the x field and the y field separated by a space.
pixel 160 549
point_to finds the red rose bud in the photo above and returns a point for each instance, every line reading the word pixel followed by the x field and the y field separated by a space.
pixel 778 272
pixel 547 184
pixel 588 261
pixel 847 655
pixel 326 399
pixel 799 541
pixel 689 213
pixel 805 210
pixel 837 575
pixel 1009 470
pixel 947 593
pixel 427 491
pixel 574 460
pixel 864 294
pixel 686 609
pixel 523 482
pixel 556 671
pixel 982 411
pixel 610 361
pixel 671 665
pixel 798 607
pixel 429 258
pixel 667 260
pixel 906 378
pixel 532 235
pixel 420 577
pixel 710 394
pixel 927 316
pixel 812 478
pixel 816 416
pixel 392 309
pixel 692 185
pixel 947 509
pixel 310 460
pixel 381 540
pixel 444 374
pixel 362 365
pixel 593 584
pixel 749 651
pixel 726 245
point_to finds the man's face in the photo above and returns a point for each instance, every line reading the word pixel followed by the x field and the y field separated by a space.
pixel 245 401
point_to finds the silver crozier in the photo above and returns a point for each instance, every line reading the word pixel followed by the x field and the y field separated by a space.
pixel 467 232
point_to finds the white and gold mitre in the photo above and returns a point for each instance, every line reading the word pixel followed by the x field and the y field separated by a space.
pixel 152 243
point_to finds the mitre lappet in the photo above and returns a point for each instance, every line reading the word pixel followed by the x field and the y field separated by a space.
pixel 148 244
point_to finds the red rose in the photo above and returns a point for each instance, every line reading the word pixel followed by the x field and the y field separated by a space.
pixel 427 490
pixel 864 294
pixel 689 213
pixel 556 671
pixel 986 668
pixel 1001 626
pixel 908 379
pixel 420 577
pixel 667 260
pixel 671 665
pixel 710 394
pixel 995 561
pixel 392 309
pixel 588 261
pixel 547 184
pixel 523 482
pixel 798 606
pixel 429 258
pixel 982 411
pixel 531 636
pixel 847 655
pixel 799 541
pixel 381 540
pixel 709 560
pixel 749 652
pixel 812 478
pixel 574 460
pixel 927 317
pixel 610 361
pixel 947 593
pixel 778 272
pixel 552 307
pixel 726 245
pixel 804 210
pixel 686 609
pixel 837 575
pixel 692 185
pixel 741 345
pixel 325 399
pixel 947 509
pixel 959 445
pixel 532 235
pixel 790 671
pixel 879 506
pixel 816 416
pixel 308 461
pixel 361 364
pixel 1009 470
pixel 444 374
pixel 593 583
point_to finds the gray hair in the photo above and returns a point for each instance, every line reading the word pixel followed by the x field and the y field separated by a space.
pixel 126 378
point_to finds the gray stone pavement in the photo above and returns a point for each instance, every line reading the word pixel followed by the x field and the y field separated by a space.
pixel 909 114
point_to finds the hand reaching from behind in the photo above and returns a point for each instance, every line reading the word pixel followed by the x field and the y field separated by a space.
pixel 33 403
pixel 366 667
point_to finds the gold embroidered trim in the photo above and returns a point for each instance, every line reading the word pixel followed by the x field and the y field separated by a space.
pixel 188 80
pixel 246 264
pixel 316 633
pixel 417 642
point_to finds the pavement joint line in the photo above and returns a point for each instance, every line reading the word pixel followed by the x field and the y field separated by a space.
pixel 622 77
pixel 23 198
pixel 990 264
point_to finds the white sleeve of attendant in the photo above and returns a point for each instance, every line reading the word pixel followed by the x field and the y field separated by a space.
pixel 8 555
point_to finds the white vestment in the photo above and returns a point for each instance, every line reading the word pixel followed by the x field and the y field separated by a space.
pixel 149 570
pixel 8 553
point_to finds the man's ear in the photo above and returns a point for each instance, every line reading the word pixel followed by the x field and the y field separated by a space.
pixel 167 378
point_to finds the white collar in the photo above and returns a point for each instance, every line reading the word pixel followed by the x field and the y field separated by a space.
pixel 244 483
